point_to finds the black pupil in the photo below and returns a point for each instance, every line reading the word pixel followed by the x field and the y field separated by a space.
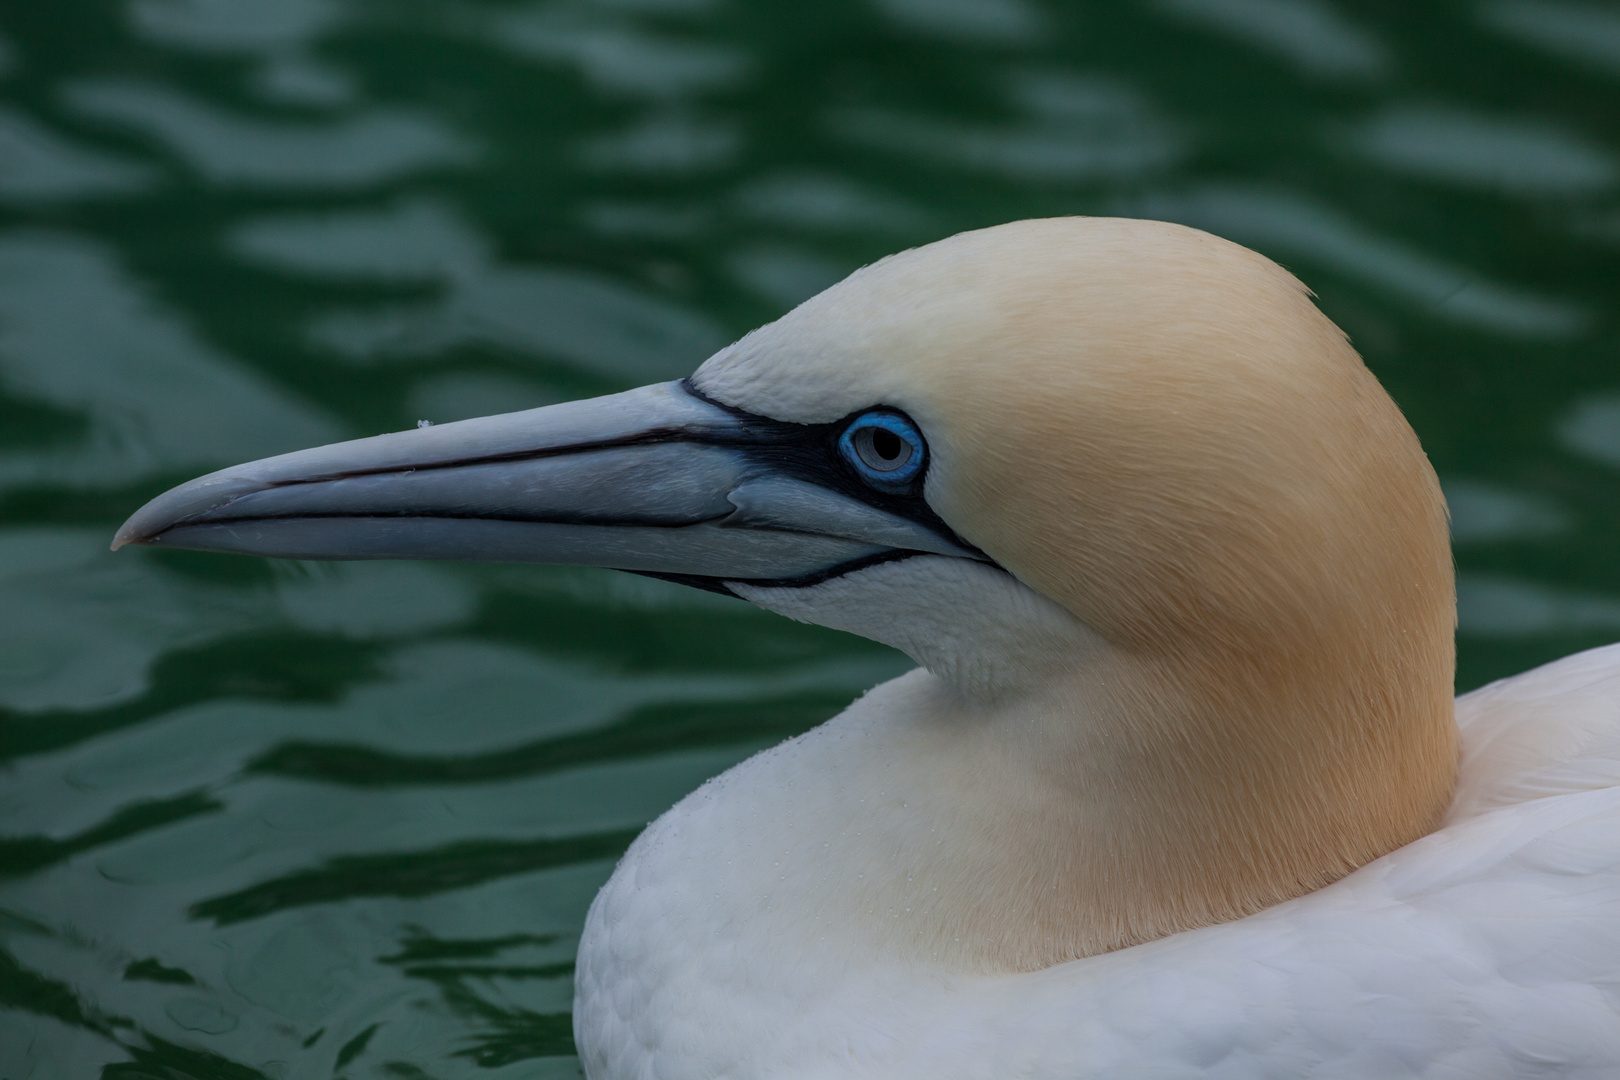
pixel 888 445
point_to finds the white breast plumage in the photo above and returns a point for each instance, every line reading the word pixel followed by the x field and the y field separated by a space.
pixel 1486 949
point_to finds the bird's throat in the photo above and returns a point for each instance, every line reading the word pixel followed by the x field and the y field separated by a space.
pixel 1040 796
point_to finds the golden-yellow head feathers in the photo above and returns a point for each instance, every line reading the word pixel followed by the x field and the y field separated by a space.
pixel 1157 429
pixel 1139 419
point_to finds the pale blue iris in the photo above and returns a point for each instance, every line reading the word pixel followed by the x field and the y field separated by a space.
pixel 885 449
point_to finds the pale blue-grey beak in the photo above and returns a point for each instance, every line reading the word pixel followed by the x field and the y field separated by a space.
pixel 658 480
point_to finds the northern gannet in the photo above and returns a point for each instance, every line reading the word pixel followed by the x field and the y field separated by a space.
pixel 1175 790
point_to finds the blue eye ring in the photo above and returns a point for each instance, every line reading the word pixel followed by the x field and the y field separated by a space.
pixel 885 449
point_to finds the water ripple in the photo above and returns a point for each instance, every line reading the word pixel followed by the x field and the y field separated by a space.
pixel 1313 34
pixel 1516 156
pixel 359 151
pixel 1291 225
pixel 1586 33
pixel 39 166
pixel 78 333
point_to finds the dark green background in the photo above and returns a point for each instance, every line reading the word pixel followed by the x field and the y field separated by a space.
pixel 289 820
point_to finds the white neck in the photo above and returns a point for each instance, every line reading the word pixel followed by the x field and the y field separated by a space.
pixel 1038 794
pixel 971 796
pixel 976 627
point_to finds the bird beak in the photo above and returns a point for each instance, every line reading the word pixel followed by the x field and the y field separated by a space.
pixel 658 480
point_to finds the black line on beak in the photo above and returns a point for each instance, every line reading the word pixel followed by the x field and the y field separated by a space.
pixel 718 585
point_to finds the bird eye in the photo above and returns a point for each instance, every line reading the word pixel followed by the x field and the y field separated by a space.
pixel 885 448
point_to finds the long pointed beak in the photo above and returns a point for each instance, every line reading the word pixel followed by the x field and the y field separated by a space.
pixel 656 480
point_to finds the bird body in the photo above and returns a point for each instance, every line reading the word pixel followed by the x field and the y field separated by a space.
pixel 1178 788
pixel 1486 949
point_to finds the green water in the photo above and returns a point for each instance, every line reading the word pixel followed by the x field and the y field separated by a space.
pixel 283 820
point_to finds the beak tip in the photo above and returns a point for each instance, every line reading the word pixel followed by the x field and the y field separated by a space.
pixel 181 504
pixel 127 535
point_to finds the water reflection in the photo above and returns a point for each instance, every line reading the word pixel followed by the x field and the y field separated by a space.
pixel 415 240
pixel 81 630
pixel 1290 225
pixel 1586 33
pixel 1592 429
pixel 78 334
pixel 1080 128
pixel 1483 512
pixel 642 220
pixel 1503 607
pixel 1312 34
pixel 464 395
pixel 824 203
pixel 570 316
pixel 617 58
pixel 362 150
pixel 39 166
pixel 84 629
pixel 673 142
pixel 278 35
pixel 573 316
pixel 234 26
pixel 785 275
pixel 999 22
pixel 1517 157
